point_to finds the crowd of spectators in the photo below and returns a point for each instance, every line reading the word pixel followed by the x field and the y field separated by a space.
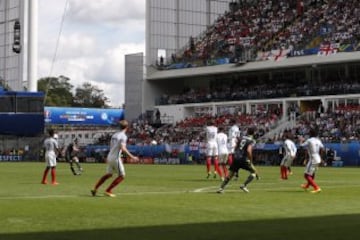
pixel 12 151
pixel 339 125
pixel 192 128
pixel 265 25
pixel 254 90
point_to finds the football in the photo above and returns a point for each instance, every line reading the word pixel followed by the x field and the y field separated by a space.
pixel 153 142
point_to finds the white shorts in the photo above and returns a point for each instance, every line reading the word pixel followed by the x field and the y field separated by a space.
pixel 223 158
pixel 311 168
pixel 211 149
pixel 116 166
pixel 232 145
pixel 50 159
pixel 287 161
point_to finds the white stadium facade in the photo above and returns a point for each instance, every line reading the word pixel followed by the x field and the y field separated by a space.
pixel 169 26
pixel 18 44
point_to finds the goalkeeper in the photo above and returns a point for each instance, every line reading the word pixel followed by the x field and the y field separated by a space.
pixel 71 153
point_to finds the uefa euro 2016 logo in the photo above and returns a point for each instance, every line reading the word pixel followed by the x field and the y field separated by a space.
pixel 47 115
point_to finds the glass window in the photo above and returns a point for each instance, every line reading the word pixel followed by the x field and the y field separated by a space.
pixel 7 103
pixel 30 104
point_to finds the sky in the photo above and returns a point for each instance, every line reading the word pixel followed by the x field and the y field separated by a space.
pixel 95 37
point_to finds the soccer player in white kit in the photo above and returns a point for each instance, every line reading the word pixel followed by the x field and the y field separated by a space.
pixel 223 152
pixel 233 135
pixel 314 148
pixel 114 161
pixel 289 155
pixel 212 148
pixel 51 151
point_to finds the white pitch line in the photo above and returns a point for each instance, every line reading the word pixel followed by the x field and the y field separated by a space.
pixel 37 197
pixel 205 189
pixel 198 190
pixel 99 194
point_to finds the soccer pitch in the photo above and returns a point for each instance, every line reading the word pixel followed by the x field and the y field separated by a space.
pixel 176 202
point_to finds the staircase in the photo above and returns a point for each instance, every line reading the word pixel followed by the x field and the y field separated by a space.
pixel 285 123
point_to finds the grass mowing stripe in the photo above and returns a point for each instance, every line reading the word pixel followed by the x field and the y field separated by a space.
pixel 199 190
pixel 176 202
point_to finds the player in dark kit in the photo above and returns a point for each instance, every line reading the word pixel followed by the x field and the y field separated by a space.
pixel 71 157
pixel 243 158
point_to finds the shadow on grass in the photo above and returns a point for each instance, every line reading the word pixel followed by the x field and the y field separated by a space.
pixel 319 228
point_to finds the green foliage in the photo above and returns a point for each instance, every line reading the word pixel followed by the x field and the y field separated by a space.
pixel 176 202
pixel 58 91
pixel 90 96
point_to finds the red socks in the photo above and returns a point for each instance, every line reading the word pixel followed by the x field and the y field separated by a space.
pixel 114 183
pixel 208 164
pixel 46 171
pixel 217 168
pixel 225 171
pixel 283 172
pixel 53 175
pixel 102 180
pixel 310 181
pixel 230 159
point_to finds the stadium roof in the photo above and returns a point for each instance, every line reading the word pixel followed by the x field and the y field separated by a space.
pixel 301 61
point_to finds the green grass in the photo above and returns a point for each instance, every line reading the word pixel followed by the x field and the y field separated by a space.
pixel 176 202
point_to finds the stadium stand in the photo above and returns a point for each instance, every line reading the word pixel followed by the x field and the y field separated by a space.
pixel 262 29
pixel 277 65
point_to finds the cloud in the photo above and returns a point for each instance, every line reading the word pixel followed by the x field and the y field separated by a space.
pixel 95 37
pixel 106 71
pixel 114 65
pixel 108 11
pixel 111 74
pixel 71 45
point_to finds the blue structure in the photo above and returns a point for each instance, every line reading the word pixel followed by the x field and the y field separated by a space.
pixel 21 113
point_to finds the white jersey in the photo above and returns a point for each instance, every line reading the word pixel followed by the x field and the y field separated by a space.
pixel 234 132
pixel 118 140
pixel 211 132
pixel 290 148
pixel 114 162
pixel 289 154
pixel 233 135
pixel 50 145
pixel 211 144
pixel 313 146
pixel 221 140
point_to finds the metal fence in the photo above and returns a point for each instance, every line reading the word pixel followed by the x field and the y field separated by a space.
pixel 14 148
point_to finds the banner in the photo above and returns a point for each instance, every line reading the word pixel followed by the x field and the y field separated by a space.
pixel 278 54
pixel 83 116
pixel 328 49
pixel 10 158
pixel 349 153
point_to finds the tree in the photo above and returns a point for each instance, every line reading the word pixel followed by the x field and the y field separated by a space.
pixel 90 96
pixel 57 91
